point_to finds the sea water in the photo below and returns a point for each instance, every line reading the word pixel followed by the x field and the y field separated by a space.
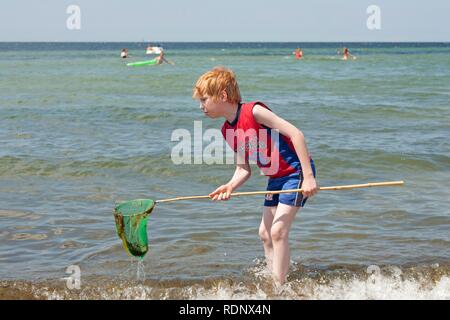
pixel 79 131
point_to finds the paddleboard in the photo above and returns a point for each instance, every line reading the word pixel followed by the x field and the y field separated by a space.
pixel 142 63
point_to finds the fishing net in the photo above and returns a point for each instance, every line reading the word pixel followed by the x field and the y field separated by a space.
pixel 131 224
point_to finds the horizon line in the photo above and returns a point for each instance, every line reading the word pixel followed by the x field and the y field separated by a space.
pixel 240 41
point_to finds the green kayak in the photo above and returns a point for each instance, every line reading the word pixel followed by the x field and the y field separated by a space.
pixel 142 63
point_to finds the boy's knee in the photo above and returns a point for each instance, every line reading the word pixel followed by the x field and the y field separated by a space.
pixel 278 233
pixel 264 235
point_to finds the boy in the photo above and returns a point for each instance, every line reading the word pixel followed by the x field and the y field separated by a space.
pixel 279 148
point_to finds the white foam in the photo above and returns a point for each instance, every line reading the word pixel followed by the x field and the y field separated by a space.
pixel 378 288
pixel 342 286
pixel 381 288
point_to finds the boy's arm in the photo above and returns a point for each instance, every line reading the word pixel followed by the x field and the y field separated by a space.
pixel 271 120
pixel 241 174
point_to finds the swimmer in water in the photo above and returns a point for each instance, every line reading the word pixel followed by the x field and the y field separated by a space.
pixel 346 54
pixel 298 53
pixel 160 59
pixel 124 53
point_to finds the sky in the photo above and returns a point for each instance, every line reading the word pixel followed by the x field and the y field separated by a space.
pixel 225 20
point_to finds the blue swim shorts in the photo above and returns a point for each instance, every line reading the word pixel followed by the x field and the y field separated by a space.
pixel 292 181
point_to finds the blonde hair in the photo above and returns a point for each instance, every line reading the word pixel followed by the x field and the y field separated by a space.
pixel 213 82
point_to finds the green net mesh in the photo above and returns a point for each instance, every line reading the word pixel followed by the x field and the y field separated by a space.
pixel 131 224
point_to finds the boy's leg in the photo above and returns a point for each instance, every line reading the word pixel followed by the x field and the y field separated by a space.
pixel 284 216
pixel 264 234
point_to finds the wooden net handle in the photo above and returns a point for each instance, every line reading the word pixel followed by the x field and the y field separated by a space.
pixel 252 193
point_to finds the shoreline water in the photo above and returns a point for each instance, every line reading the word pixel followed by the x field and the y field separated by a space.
pixel 338 282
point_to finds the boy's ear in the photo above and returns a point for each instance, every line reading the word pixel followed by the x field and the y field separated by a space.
pixel 224 96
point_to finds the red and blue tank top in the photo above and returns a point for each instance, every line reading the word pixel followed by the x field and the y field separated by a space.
pixel 273 152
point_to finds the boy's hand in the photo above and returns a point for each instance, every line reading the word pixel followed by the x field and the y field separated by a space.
pixel 309 187
pixel 221 193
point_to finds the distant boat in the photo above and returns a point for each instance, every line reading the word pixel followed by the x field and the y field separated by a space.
pixel 153 50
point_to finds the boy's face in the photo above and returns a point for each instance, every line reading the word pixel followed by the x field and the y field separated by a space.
pixel 210 107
